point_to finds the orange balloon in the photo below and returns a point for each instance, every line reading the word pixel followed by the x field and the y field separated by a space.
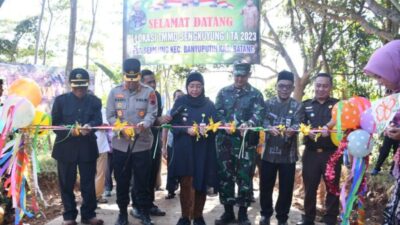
pixel 350 114
pixel 27 88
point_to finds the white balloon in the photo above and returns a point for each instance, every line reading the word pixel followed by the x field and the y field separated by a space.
pixel 360 143
pixel 23 114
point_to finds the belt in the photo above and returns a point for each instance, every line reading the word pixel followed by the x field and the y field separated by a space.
pixel 319 150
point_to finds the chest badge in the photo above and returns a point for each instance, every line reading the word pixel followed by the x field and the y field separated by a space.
pixel 119 113
pixel 141 113
pixel 312 115
pixel 290 111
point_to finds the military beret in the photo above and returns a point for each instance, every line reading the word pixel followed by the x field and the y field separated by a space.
pixel 131 68
pixel 241 69
pixel 79 78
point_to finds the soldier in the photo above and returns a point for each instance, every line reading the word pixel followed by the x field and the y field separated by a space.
pixel 280 153
pixel 136 104
pixel 243 104
pixel 77 148
pixel 317 113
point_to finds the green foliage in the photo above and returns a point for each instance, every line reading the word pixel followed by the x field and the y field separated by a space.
pixel 109 73
pixel 24 34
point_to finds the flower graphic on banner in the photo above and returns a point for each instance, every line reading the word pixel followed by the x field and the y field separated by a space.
pixel 384 110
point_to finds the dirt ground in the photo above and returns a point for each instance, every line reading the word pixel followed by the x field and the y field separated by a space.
pixel 109 212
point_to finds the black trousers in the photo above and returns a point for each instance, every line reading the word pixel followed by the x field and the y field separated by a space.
pixel 172 182
pixel 138 164
pixel 387 145
pixel 314 166
pixel 67 177
pixel 268 175
pixel 155 168
pixel 109 170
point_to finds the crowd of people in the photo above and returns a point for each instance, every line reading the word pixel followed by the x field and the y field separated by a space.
pixel 222 161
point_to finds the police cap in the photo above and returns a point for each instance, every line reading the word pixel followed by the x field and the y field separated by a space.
pixel 79 78
pixel 241 69
pixel 131 68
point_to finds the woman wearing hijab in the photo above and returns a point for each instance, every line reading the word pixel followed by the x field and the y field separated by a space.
pixel 194 159
pixel 384 66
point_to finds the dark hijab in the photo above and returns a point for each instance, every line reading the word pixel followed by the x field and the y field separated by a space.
pixel 195 101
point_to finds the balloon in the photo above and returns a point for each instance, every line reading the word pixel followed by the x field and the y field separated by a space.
pixel 350 114
pixel 367 121
pixel 41 119
pixel 24 111
pixel 334 138
pixel 28 88
pixel 360 143
pixel 361 102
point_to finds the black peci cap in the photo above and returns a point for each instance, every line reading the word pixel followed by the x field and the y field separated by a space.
pixel 131 69
pixel 79 78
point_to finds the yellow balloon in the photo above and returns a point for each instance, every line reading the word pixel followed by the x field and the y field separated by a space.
pixel 41 119
pixel 27 88
pixel 335 138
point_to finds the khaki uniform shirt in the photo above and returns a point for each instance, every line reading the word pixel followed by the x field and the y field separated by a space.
pixel 132 107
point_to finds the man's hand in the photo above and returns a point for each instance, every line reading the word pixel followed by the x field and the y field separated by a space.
pixel 289 132
pixel 191 132
pixel 325 131
pixel 125 134
pixel 312 135
pixel 140 127
pixel 243 127
pixel 164 119
pixel 85 130
pixel 274 131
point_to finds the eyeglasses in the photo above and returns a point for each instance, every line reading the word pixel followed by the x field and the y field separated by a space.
pixel 285 86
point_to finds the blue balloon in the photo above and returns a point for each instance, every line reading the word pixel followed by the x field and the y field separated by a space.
pixel 360 143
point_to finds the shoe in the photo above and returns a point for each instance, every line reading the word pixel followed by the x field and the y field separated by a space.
pixel 199 221
pixel 183 221
pixel 69 222
pixel 93 221
pixel 107 193
pixel 375 172
pixel 170 196
pixel 227 217
pixel 146 219
pixel 136 213
pixel 122 220
pixel 303 222
pixel 264 221
pixel 102 200
pixel 282 223
pixel 155 211
pixel 243 219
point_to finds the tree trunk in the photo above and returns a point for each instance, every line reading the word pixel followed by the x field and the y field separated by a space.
pixel 48 32
pixel 71 38
pixel 38 32
pixel 124 30
pixel 94 12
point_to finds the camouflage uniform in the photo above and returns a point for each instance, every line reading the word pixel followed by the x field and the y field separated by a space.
pixel 242 106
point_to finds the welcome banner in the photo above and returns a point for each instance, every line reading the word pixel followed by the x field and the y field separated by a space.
pixel 193 31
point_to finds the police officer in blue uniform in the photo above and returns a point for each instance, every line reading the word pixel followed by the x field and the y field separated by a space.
pixel 77 149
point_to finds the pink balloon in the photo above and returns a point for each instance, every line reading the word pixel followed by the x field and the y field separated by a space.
pixel 367 121
pixel 361 102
